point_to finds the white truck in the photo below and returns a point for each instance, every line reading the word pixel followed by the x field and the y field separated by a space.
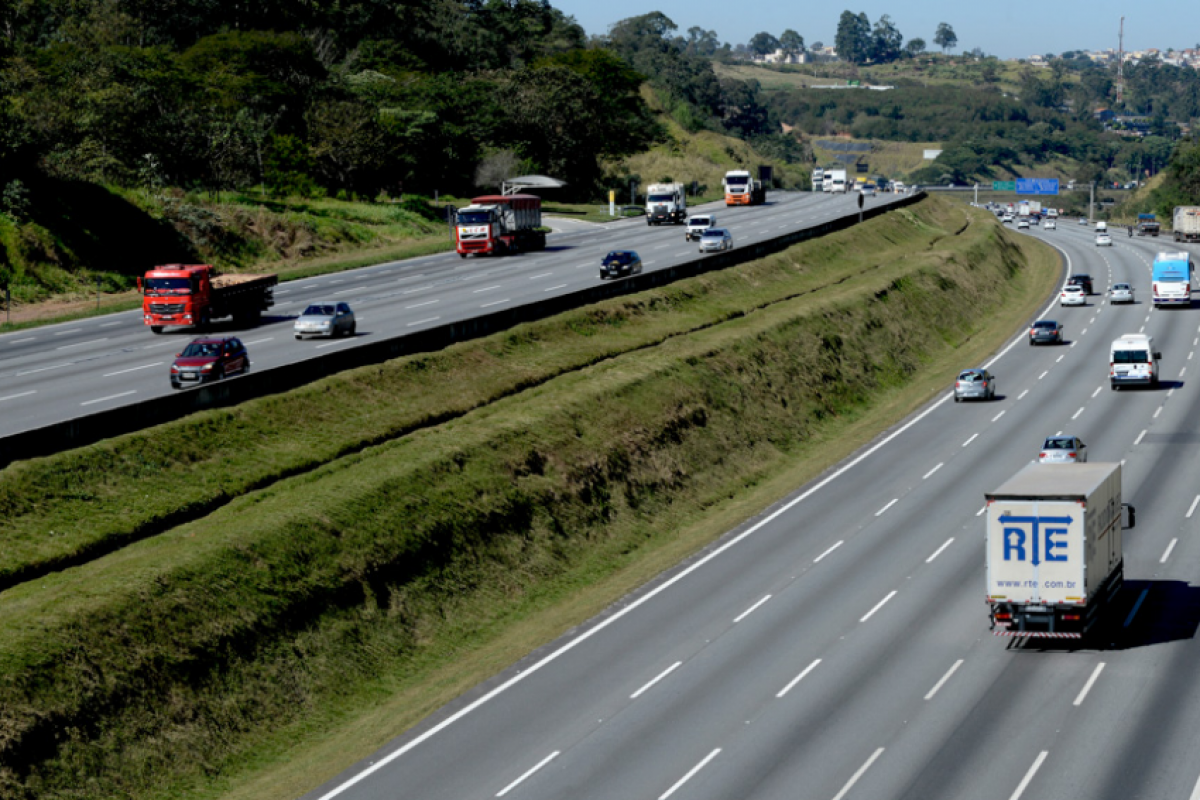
pixel 697 225
pixel 818 180
pixel 1185 222
pixel 666 202
pixel 1132 360
pixel 1054 549
pixel 837 181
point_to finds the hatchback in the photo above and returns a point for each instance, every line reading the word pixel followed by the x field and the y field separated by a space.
pixel 716 239
pixel 1063 450
pixel 325 319
pixel 1072 296
pixel 978 384
pixel 209 360
pixel 1120 293
pixel 620 262
pixel 1081 279
pixel 1103 240
pixel 1046 331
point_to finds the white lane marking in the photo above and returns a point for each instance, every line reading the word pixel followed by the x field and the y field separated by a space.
pixel 27 339
pixel 553 288
pixel 419 305
pixel 1098 389
pixel 830 550
pixel 1157 411
pixel 1082 332
pixel 1024 784
pixel 1073 345
pixel 81 344
pixel 981 511
pixel 529 772
pixel 495 303
pixel 582 266
pixel 998 416
pixel 348 291
pixel 1182 371
pixel 1143 328
pixel 40 369
pixel 655 680
pixel 925 477
pixel 282 291
pixel 64 333
pixel 422 321
pixel 890 503
pixel 418 289
pixel 878 606
pixel 333 343
pixel 134 369
pixel 854 778
pixel 968 441
pixel 486 289
pixel 1136 606
pixel 1196 791
pixel 1022 394
pixel 1167 553
pixel 751 609
pixel 661 246
pixel 1170 391
pixel 945 678
pixel 688 776
pixel 1087 687
pixel 1192 507
pixel 1077 413
pixel 938 552
pixel 163 344
pixel 260 341
pixel 20 394
pixel 542 275
pixel 1044 374
pixel 110 324
pixel 1189 358
pixel 1138 440
pixel 798 678
pixel 339 280
pixel 110 397
pixel 1060 358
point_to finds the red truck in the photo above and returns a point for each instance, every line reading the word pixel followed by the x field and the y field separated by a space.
pixel 196 294
pixel 499 224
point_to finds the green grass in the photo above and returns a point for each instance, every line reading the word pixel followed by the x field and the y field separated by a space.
pixel 510 488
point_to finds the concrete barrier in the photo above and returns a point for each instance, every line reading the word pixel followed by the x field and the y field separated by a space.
pixel 95 427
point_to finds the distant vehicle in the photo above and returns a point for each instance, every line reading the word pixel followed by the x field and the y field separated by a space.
pixel 1103 240
pixel 205 360
pixel 196 294
pixel 1023 222
pixel 1072 296
pixel 743 190
pixel 1185 223
pixel 1171 279
pixel 1081 279
pixel 1083 220
pixel 619 263
pixel 1008 217
pixel 716 239
pixel 1045 331
pixel 1049 225
pixel 868 191
pixel 329 318
pixel 1132 360
pixel 818 180
pixel 1101 227
pixel 837 181
pixel 666 203
pixel 1120 293
pixel 500 224
pixel 978 384
pixel 1063 450
pixel 697 225
pixel 1147 225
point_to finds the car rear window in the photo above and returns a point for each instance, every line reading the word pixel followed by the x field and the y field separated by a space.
pixel 1043 324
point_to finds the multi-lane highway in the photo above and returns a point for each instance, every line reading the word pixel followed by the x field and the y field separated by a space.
pixel 59 372
pixel 837 646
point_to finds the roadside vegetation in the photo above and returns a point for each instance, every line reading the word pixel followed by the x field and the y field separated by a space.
pixel 260 595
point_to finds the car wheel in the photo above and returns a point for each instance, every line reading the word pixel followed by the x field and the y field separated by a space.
pixel 299 337
pixel 353 328
pixel 156 328
pixel 957 399
pixel 205 321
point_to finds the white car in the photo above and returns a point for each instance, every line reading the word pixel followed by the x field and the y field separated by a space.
pixel 1023 222
pixel 1007 218
pixel 715 239
pixel 1103 240
pixel 1120 293
pixel 1072 296
pixel 1049 225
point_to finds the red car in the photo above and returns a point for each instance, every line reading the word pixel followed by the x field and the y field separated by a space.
pixel 209 360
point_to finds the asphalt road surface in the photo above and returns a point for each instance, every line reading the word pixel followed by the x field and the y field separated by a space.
pixel 60 372
pixel 837 646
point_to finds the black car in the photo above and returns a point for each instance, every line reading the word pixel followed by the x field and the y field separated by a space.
pixel 1045 331
pixel 209 360
pixel 620 262
pixel 1081 280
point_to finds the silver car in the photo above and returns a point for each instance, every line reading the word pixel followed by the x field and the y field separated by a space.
pixel 1120 293
pixel 977 384
pixel 329 318
pixel 1103 240
pixel 716 239
pixel 1063 450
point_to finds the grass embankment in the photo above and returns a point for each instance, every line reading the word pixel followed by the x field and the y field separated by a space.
pixel 514 487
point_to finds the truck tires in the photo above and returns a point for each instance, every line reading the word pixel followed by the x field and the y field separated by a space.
pixel 156 328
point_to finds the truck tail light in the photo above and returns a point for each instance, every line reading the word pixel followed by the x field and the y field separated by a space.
pixel 1003 616
pixel 1071 617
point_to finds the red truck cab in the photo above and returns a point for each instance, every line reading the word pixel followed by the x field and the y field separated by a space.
pixel 499 224
pixel 196 294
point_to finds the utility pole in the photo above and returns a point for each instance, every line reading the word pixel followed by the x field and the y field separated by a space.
pixel 1092 202
pixel 1121 62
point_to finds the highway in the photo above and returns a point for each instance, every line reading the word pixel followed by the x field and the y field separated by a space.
pixel 836 647
pixel 60 372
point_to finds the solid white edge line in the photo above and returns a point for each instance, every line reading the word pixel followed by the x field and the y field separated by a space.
pixel 655 680
pixel 110 397
pixel 34 391
pixel 751 609
pixel 798 678
pixel 1196 791
pixel 1167 554
pixel 950 672
pixel 662 587
pixel 689 775
pixel 861 771
pixel 890 503
pixel 531 770
pixel 1087 687
pixel 935 469
pixel 1192 507
pixel 131 369
pixel 878 606
pixel 840 542
pixel 938 552
pixel 1024 784
pixel 1133 611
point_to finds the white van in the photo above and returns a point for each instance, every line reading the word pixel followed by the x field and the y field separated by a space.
pixel 1102 227
pixel 1132 359
pixel 697 225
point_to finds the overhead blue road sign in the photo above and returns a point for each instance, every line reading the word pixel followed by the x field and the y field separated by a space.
pixel 1037 185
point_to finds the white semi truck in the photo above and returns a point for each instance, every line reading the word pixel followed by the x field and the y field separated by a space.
pixel 1185 223
pixel 837 181
pixel 1054 549
pixel 666 203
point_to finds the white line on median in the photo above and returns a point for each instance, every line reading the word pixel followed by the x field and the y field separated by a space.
pixel 890 503
pixel 854 778
pixel 1136 606
pixel 689 775
pixel 945 678
pixel 1024 784
pixel 1192 508
pixel 81 344
pixel 830 550
pixel 529 772
pixel 968 441
pixel 26 394
pixel 751 609
pixel 1167 554
pixel 134 369
pixel 1087 687
pixel 938 552
pixel 935 469
pixel 798 678
pixel 110 397
pixel 878 606
pixel 655 680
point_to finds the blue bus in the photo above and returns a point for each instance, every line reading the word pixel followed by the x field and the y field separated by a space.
pixel 1172 279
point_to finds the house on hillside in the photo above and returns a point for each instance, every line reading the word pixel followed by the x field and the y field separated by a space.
pixel 783 57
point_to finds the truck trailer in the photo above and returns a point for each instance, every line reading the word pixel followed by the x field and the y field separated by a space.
pixel 837 181
pixel 1054 549
pixel 500 224
pixel 1185 222
pixel 743 190
pixel 666 203
pixel 196 294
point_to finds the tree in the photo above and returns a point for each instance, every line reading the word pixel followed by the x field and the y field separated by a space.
pixel 944 37
pixel 762 43
pixel 885 41
pixel 791 42
pixel 915 47
pixel 853 38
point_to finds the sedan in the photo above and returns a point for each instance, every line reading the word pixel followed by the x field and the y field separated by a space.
pixel 1023 222
pixel 1046 331
pixel 620 262
pixel 325 319
pixel 1049 225
pixel 716 239
pixel 1063 450
pixel 1103 240
pixel 209 360
pixel 1072 296
pixel 1083 220
pixel 975 383
pixel 1120 293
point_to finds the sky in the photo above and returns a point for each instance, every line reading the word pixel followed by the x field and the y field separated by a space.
pixel 1004 29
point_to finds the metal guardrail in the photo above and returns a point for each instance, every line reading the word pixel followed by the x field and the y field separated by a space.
pixel 92 428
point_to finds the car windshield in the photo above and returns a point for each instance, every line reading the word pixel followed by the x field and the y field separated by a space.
pixel 318 311
pixel 474 217
pixel 661 198
pixel 168 285
pixel 202 349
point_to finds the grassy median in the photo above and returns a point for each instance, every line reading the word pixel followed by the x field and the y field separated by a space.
pixel 261 595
